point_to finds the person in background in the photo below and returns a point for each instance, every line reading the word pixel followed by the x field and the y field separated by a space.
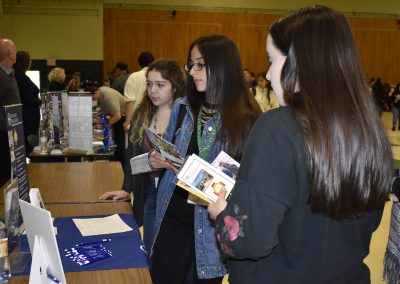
pixel 9 95
pixel 112 103
pixel 396 107
pixel 253 79
pixel 249 80
pixel 165 83
pixel 119 69
pixel 119 76
pixel 29 94
pixel 213 117
pixel 135 86
pixel 57 80
pixel 379 94
pixel 317 171
pixel 265 96
pixel 75 83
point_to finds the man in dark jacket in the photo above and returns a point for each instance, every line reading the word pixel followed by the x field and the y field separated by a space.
pixel 9 95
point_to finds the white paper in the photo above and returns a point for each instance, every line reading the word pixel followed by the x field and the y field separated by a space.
pixel 99 226
pixel 140 164
pixel 80 121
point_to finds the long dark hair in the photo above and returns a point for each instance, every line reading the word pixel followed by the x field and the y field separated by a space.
pixel 227 88
pixel 169 70
pixel 349 156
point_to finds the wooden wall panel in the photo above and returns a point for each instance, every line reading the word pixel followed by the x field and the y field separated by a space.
pixel 127 32
pixel 380 53
pixel 252 46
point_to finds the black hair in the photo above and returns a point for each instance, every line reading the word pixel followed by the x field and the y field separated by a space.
pixel 145 58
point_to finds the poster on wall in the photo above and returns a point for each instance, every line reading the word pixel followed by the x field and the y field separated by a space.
pixel 80 122
pixel 16 142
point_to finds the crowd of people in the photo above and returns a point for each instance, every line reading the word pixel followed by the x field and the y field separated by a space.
pixel 316 165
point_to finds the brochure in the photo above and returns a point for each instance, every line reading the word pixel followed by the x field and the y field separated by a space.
pixel 140 164
pixel 163 147
pixel 206 180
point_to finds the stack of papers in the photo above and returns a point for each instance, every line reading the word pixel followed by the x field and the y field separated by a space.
pixel 102 226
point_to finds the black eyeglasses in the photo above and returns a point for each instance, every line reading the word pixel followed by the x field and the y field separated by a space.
pixel 196 66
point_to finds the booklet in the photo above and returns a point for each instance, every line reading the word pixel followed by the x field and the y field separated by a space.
pixel 140 164
pixel 205 180
pixel 163 147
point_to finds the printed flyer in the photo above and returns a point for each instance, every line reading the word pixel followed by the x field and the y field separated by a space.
pixel 16 141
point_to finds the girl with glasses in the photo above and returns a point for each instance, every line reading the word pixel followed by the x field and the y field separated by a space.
pixel 218 113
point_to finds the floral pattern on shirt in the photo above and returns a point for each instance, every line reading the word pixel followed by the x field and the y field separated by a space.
pixel 232 228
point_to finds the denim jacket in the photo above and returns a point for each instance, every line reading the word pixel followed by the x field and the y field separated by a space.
pixel 208 258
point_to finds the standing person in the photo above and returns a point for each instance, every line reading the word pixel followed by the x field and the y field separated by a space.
pixel 215 117
pixel 379 94
pixel 396 107
pixel 29 94
pixel 264 93
pixel 57 80
pixel 119 76
pixel 316 172
pixel 9 95
pixel 248 77
pixel 111 102
pixel 135 86
pixel 165 83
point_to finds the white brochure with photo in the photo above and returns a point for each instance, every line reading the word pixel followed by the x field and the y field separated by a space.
pixel 205 180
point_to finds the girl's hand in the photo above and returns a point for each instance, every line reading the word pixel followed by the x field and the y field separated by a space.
pixel 157 161
pixel 115 195
pixel 215 208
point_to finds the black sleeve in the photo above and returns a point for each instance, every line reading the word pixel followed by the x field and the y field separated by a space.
pixel 265 188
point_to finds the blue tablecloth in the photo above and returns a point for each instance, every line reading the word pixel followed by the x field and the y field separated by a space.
pixel 127 248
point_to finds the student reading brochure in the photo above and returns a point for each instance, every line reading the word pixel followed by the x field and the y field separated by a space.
pixel 165 148
pixel 206 180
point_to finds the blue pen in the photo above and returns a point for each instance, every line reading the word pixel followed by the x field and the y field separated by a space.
pixel 91 260
pixel 53 278
pixel 86 248
pixel 89 255
pixel 93 242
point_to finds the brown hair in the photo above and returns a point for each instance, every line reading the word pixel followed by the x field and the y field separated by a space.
pixel 169 70
pixel 349 156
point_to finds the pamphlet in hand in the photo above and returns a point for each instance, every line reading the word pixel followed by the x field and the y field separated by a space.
pixel 206 180
pixel 163 147
pixel 140 164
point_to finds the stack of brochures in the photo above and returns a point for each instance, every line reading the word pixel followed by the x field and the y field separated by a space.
pixel 205 180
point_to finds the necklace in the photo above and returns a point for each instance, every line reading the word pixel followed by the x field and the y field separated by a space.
pixel 163 127
pixel 155 123
pixel 203 150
